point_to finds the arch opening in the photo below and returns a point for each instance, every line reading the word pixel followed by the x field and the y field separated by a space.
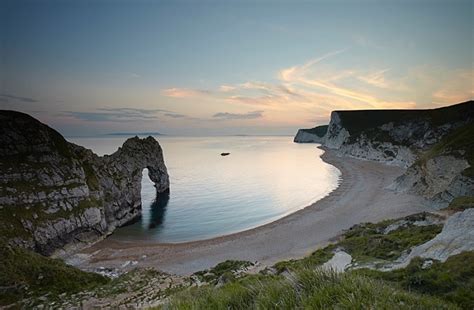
pixel 153 203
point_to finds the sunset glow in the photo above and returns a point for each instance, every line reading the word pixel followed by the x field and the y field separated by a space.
pixel 212 68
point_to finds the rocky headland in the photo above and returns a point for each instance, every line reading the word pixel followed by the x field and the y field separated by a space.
pixel 434 145
pixel 311 135
pixel 56 196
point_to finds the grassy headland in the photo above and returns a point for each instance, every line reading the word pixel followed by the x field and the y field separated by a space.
pixel 361 120
pixel 320 131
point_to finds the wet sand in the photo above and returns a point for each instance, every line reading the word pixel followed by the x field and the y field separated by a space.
pixel 360 197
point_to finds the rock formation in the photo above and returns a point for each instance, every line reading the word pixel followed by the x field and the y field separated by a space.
pixel 55 195
pixel 312 135
pixel 443 172
pixel 436 146
pixel 394 136
pixel 456 237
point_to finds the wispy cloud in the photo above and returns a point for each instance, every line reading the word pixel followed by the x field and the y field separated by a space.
pixel 376 78
pixel 226 88
pixel 132 110
pixel 184 92
pixel 116 115
pixel 289 74
pixel 251 93
pixel 232 116
pixel 175 115
pixel 315 88
pixel 304 75
pixel 8 97
pixel 255 100
pixel 361 96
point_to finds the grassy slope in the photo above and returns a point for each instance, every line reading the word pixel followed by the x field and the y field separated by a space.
pixel 222 269
pixel 367 242
pixel 26 274
pixel 360 120
pixel 304 289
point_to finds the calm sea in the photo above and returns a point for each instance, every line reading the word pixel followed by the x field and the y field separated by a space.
pixel 263 179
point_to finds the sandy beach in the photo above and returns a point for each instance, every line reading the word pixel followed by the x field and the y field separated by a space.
pixel 360 197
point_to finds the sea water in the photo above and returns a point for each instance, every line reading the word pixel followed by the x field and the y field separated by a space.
pixel 262 180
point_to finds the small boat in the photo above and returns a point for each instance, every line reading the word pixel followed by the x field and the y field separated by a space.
pixel 224 154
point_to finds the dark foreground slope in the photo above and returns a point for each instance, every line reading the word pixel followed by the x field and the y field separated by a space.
pixel 27 275
pixel 54 194
pixel 28 279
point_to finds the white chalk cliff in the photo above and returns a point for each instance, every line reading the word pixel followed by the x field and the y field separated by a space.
pixel 434 145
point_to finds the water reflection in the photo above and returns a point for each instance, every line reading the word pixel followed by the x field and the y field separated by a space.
pixel 158 210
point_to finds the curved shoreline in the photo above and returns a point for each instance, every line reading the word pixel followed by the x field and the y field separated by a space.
pixel 360 197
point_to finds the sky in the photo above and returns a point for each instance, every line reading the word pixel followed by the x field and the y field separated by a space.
pixel 229 67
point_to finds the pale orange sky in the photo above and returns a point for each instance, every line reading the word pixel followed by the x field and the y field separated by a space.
pixel 230 68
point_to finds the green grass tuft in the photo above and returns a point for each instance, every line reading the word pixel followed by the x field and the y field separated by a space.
pixel 304 289
pixel 368 242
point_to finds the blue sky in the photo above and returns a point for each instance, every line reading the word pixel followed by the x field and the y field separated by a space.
pixel 233 67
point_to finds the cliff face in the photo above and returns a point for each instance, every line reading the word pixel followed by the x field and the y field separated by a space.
pixel 312 135
pixel 394 136
pixel 443 172
pixel 55 195
pixel 456 237
pixel 435 145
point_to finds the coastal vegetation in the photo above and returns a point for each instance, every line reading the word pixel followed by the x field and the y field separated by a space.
pixel 452 280
pixel 28 275
pixel 305 288
pixel 290 284
pixel 224 270
pixel 376 243
pixel 461 203
pixel 301 284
